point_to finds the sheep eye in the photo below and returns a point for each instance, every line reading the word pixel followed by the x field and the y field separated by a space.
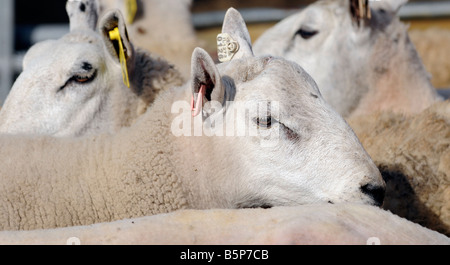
pixel 306 34
pixel 83 79
pixel 265 122
pixel 80 79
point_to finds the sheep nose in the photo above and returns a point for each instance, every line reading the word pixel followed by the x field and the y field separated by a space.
pixel 375 192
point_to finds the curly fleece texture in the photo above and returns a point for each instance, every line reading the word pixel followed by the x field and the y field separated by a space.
pixel 413 154
pixel 99 179
pixel 306 224
pixel 152 76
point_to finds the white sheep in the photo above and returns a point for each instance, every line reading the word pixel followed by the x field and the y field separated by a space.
pixel 301 151
pixel 413 155
pixel 163 27
pixel 367 68
pixel 361 65
pixel 74 86
pixel 307 224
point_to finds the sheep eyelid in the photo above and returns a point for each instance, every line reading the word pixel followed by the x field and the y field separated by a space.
pixel 86 79
pixel 76 78
pixel 265 123
pixel 306 34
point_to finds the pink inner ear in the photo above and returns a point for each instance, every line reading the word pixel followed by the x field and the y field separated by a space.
pixel 196 109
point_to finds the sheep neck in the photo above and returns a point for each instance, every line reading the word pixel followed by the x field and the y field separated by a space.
pixel 193 157
pixel 150 76
pixel 397 79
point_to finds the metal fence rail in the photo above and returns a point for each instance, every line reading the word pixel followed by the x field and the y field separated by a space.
pixel 261 15
pixel 425 10
pixel 6 47
pixel 11 61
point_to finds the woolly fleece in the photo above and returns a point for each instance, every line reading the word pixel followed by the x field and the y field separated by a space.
pixel 307 224
pixel 413 155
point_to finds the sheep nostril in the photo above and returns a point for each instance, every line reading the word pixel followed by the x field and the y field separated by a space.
pixel 375 192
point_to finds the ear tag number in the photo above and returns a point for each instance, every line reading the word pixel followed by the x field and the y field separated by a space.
pixel 131 9
pixel 115 35
pixel 226 47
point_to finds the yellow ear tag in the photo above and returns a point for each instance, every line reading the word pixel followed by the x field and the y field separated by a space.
pixel 131 9
pixel 115 35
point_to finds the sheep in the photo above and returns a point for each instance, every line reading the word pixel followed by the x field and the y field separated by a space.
pixel 74 86
pixel 307 224
pixel 413 155
pixel 386 69
pixel 361 65
pixel 163 27
pixel 300 151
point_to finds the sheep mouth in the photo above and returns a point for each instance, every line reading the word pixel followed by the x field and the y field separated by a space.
pixel 330 202
pixel 254 205
pixel 262 206
pixel 375 193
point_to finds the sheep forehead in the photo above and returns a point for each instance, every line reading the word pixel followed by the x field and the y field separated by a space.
pixel 320 9
pixel 271 78
pixel 328 15
pixel 63 58
pixel 46 48
pixel 339 9
pixel 284 82
pixel 331 4
pixel 242 70
pixel 82 36
pixel 324 12
pixel 342 30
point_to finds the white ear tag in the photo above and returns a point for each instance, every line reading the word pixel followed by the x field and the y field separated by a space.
pixel 226 47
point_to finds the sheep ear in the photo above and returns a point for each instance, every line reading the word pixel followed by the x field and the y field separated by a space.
pixel 235 41
pixel 83 14
pixel 115 37
pixel 205 77
pixel 111 21
pixel 392 6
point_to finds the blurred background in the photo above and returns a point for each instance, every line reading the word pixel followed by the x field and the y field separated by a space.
pixel 23 23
